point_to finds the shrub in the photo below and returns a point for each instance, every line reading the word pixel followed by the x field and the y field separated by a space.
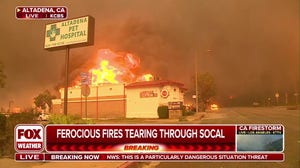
pixel 26 117
pixel 163 112
pixel 187 112
pixel 2 124
pixel 67 119
pixel 2 133
pixel 8 124
pixel 182 118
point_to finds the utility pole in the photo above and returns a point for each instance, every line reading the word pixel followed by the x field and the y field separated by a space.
pixel 196 78
pixel 296 96
pixel 196 81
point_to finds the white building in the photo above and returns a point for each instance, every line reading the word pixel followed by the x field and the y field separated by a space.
pixel 143 98
pixel 135 100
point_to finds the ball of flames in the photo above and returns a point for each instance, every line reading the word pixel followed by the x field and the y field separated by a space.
pixel 113 67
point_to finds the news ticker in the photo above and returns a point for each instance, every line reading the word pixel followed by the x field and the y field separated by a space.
pixel 148 142
pixel 266 157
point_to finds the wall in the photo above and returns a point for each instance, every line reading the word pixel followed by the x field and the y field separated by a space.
pixel 105 101
pixel 146 107
pixel 111 101
pixel 138 107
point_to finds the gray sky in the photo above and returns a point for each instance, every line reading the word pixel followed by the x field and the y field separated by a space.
pixel 254 43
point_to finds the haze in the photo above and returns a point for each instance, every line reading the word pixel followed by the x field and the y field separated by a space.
pixel 254 44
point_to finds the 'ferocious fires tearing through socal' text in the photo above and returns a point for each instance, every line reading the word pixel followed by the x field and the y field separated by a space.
pixel 139 133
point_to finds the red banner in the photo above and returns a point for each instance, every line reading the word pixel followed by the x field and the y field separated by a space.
pixel 41 12
pixel 29 157
pixel 146 142
pixel 146 138
pixel 151 157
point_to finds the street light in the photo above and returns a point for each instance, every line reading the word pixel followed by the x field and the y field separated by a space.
pixel 196 80
pixel 296 96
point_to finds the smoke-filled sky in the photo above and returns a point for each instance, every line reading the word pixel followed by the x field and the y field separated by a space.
pixel 253 43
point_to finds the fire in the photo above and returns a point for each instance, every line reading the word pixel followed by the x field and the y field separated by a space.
pixel 146 77
pixel 115 67
pixel 105 73
pixel 214 107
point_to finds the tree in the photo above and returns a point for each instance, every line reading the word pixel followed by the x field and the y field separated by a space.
pixel 2 76
pixel 44 99
pixel 206 89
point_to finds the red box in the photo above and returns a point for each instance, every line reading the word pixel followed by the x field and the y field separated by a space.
pixel 29 138
pixel 140 138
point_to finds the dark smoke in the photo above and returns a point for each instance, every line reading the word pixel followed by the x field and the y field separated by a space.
pixel 253 43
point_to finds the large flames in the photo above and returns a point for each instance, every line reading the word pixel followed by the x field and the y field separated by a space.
pixel 115 67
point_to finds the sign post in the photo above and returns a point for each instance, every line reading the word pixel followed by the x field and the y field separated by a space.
pixel 66 81
pixel 69 33
pixel 85 89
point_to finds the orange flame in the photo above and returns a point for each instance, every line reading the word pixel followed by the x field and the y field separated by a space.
pixel 117 68
pixel 214 107
pixel 147 77
pixel 105 73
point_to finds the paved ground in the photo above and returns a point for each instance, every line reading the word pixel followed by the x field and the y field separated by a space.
pixel 278 115
pixel 10 163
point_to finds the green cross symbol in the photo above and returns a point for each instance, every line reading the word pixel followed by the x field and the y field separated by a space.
pixel 53 32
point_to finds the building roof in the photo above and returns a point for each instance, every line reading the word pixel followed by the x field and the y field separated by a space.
pixel 155 83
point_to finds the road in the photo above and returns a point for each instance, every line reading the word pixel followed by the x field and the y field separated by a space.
pixel 261 115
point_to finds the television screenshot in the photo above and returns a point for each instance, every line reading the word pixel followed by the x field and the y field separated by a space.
pixel 149 84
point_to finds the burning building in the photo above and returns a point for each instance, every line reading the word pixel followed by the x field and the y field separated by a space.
pixel 117 90
pixel 134 100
